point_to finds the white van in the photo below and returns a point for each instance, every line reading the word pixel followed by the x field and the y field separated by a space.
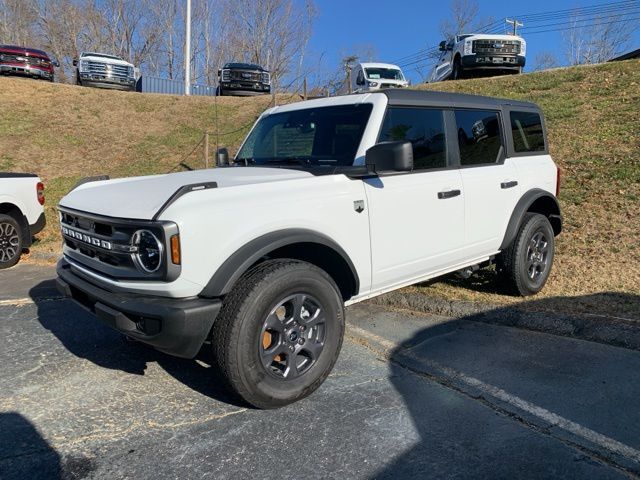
pixel 367 77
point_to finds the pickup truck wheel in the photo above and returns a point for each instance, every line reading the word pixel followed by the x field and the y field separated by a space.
pixel 527 262
pixel 279 332
pixel 11 241
pixel 456 70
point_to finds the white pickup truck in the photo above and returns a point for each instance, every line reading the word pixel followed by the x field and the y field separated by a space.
pixel 104 71
pixel 479 53
pixel 21 214
pixel 328 202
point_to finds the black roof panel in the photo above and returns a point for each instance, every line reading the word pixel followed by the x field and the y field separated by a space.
pixel 429 98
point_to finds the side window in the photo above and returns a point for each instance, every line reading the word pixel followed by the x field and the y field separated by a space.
pixel 478 136
pixel 526 128
pixel 424 128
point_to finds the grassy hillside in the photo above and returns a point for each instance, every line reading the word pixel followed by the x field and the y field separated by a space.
pixel 593 115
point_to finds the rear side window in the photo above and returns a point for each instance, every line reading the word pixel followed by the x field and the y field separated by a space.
pixel 526 128
pixel 424 128
pixel 478 136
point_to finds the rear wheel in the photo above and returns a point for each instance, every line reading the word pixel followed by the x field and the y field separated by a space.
pixel 11 241
pixel 526 263
pixel 279 332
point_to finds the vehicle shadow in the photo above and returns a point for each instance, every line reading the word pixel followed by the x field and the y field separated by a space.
pixel 89 338
pixel 460 435
pixel 23 451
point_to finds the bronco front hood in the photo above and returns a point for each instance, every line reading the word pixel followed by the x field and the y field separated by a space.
pixel 143 197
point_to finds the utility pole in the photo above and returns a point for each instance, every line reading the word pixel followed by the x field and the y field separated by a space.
pixel 187 51
pixel 347 66
pixel 515 24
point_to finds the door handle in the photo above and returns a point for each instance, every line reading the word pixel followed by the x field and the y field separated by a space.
pixel 510 184
pixel 448 194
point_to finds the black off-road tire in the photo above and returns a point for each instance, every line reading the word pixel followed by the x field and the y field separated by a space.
pixel 532 251
pixel 11 241
pixel 456 70
pixel 237 336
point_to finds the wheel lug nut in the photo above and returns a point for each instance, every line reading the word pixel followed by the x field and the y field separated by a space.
pixel 301 341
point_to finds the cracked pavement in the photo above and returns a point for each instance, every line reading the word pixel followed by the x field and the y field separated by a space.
pixel 412 396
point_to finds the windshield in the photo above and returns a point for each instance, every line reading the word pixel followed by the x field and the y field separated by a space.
pixel 384 73
pixel 313 136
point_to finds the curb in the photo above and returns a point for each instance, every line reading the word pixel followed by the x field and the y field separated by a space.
pixel 607 330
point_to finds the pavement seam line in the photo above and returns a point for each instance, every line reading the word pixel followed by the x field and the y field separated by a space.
pixel 19 302
pixel 553 419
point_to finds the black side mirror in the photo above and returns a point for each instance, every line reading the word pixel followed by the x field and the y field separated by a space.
pixel 443 46
pixel 55 63
pixel 222 157
pixel 75 62
pixel 388 157
pixel 219 72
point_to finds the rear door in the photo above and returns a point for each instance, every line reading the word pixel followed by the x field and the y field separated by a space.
pixel 490 180
pixel 417 218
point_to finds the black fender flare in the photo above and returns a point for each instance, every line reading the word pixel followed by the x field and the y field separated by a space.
pixel 523 206
pixel 242 259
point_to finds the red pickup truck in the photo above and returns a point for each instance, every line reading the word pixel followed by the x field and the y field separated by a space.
pixel 26 62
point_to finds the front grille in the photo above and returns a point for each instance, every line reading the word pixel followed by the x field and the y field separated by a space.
pixel 33 61
pixel 246 76
pixel 103 244
pixel 390 85
pixel 509 47
pixel 107 70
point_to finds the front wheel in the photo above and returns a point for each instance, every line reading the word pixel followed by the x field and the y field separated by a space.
pixel 456 71
pixel 279 332
pixel 527 262
pixel 11 241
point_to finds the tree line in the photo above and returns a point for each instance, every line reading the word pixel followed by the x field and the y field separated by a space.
pixel 151 34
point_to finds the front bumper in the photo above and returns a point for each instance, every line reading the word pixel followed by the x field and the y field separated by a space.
pixel 107 81
pixel 493 61
pixel 239 87
pixel 175 326
pixel 26 70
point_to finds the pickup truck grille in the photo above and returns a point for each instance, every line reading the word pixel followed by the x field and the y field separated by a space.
pixel 35 61
pixel 103 244
pixel 509 47
pixel 246 76
pixel 107 70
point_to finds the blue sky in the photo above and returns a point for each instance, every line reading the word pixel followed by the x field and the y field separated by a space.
pixel 401 27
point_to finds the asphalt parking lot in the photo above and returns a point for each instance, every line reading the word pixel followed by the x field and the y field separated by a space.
pixel 411 396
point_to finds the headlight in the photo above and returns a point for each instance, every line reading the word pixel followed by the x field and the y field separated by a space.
pixel 373 84
pixel 468 47
pixel 130 71
pixel 265 78
pixel 84 65
pixel 523 48
pixel 149 251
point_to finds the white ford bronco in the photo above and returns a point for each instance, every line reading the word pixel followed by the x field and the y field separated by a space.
pixel 327 202
pixel 21 214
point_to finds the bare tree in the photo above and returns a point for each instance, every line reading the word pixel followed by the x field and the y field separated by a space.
pixel 544 61
pixel 17 21
pixel 464 19
pixel 600 40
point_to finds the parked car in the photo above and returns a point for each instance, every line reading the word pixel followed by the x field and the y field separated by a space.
pixel 21 214
pixel 330 202
pixel 27 62
pixel 243 79
pixel 477 54
pixel 369 77
pixel 104 71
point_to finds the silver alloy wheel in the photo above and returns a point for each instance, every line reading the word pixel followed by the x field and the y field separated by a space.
pixel 9 242
pixel 292 336
pixel 537 256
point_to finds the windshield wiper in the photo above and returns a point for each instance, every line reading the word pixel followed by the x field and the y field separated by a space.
pixel 305 162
